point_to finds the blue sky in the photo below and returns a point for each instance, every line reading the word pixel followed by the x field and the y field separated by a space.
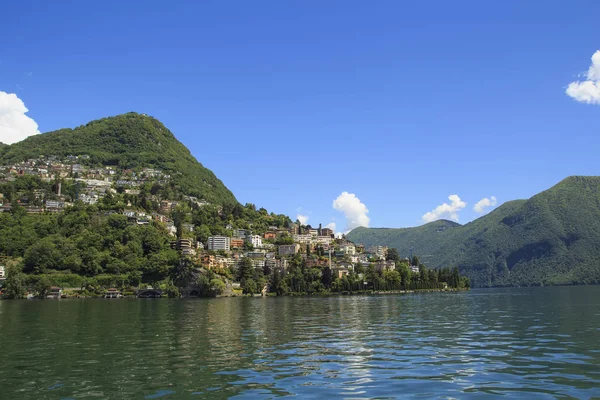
pixel 292 103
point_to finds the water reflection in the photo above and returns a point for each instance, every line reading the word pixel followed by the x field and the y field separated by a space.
pixel 536 342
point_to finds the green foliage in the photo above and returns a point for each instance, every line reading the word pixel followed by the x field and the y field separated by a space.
pixel 392 254
pixel 15 286
pixel 549 239
pixel 216 287
pixel 82 242
pixel 128 141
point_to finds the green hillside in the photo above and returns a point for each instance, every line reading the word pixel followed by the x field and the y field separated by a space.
pixel 552 238
pixel 129 141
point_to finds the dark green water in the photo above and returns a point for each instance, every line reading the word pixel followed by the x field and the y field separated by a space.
pixel 526 343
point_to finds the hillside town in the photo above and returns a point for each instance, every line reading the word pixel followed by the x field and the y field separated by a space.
pixel 271 248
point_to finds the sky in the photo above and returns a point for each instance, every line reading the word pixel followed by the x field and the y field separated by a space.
pixel 380 114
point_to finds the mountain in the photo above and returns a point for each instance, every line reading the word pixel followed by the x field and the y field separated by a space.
pixel 552 238
pixel 129 140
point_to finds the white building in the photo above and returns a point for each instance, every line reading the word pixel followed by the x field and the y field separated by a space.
pixel 219 243
pixel 305 239
pixel 256 240
pixel 324 239
pixel 349 249
pixel 2 272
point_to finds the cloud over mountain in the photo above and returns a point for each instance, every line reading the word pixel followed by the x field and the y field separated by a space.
pixel 445 210
pixel 482 205
pixel 353 209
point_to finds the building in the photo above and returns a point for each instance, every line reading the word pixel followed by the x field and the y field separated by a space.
pixel 270 235
pixel 208 261
pixel 327 232
pixel 324 240
pixel 384 266
pixel 219 243
pixel 380 251
pixel 340 271
pixel 2 272
pixel 242 233
pixel 288 249
pixel 256 240
pixel 304 239
pixel 236 243
pixel 349 249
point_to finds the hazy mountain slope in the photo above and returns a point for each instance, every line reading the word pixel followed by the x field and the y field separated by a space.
pixel 129 141
pixel 552 238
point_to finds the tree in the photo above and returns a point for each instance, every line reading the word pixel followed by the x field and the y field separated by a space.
pixel 15 284
pixel 392 254
pixel 249 286
pixel 184 274
pixel 42 286
pixel 415 261
pixel 277 283
pixel 215 287
pixel 327 277
pixel 246 269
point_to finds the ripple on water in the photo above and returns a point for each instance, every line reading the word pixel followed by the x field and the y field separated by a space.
pixel 483 343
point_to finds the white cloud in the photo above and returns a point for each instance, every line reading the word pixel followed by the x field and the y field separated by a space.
pixel 302 218
pixel 14 124
pixel 445 210
pixel 354 210
pixel 481 206
pixel 588 91
pixel 331 226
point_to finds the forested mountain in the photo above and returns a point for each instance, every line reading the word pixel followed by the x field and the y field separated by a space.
pixel 128 141
pixel 552 238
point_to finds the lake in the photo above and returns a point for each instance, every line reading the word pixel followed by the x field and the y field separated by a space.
pixel 533 343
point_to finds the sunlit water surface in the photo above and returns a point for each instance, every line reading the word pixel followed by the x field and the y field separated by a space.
pixel 527 343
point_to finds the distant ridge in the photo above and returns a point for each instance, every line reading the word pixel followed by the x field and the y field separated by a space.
pixel 552 238
pixel 129 140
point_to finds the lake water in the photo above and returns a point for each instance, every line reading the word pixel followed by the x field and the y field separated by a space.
pixel 533 343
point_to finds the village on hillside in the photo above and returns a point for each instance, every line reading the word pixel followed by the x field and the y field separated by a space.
pixel 269 248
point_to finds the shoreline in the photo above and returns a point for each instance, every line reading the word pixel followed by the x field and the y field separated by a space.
pixel 271 295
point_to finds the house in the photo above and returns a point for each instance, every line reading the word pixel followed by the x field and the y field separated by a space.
pixel 414 269
pixel 256 240
pixel 324 240
pixel 288 249
pixel 349 249
pixel 384 266
pixel 112 293
pixel 236 243
pixel 270 235
pixel 208 261
pixel 54 293
pixel 219 243
pixel 255 254
pixel 345 264
pixel 303 239
pixel 327 232
pixel 185 246
pixel 339 271
pixel 171 229
pixel 258 263
pixel 242 233
pixel 2 272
